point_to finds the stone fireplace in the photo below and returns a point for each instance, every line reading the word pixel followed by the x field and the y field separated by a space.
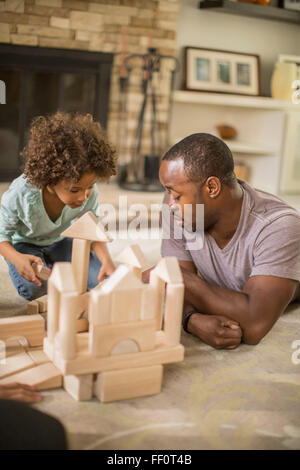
pixel 71 37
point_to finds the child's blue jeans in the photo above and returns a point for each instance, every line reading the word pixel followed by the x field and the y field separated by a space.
pixel 59 251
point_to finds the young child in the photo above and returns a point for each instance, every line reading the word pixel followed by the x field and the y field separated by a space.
pixel 65 156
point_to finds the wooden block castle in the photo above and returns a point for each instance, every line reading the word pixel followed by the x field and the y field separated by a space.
pixel 112 341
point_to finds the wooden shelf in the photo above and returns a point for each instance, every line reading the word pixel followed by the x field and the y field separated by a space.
pixel 222 99
pixel 242 148
pixel 249 9
pixel 249 149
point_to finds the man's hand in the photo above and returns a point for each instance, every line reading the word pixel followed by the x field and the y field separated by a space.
pixel 215 330
pixel 23 264
pixel 106 270
pixel 20 392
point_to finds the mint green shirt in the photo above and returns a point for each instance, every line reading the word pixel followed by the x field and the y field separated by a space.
pixel 23 217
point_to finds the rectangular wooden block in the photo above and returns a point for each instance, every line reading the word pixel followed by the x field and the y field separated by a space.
pixel 105 337
pixel 42 272
pixel 14 364
pixel 128 383
pixel 126 305
pixel 99 308
pixel 42 302
pixel 30 326
pixel 43 377
pixel 33 308
pixel 86 363
pixel 80 387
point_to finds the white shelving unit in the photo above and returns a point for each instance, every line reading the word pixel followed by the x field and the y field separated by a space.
pixel 260 124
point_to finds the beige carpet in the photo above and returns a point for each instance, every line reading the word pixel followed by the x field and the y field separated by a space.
pixel 248 398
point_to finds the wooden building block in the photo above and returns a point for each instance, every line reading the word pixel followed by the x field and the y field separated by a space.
pixel 86 363
pixel 173 313
pixel 48 348
pixel 80 387
pixel 38 356
pixel 83 301
pixel 32 327
pixel 61 280
pixel 168 269
pixel 53 310
pixel 80 263
pixel 159 285
pixel 99 307
pixel 104 338
pixel 67 325
pixel 128 383
pixel 15 345
pixel 125 347
pixel 126 305
pixel 122 279
pixel 42 272
pixel 62 275
pixel 43 303
pixel 43 377
pixel 82 324
pixel 133 256
pixel 33 308
pixel 149 301
pixel 15 364
pixel 87 227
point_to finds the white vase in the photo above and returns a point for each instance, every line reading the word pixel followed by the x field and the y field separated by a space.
pixel 281 81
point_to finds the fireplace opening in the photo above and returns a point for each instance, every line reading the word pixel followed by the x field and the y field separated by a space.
pixel 40 81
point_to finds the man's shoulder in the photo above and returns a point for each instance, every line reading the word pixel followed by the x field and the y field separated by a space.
pixel 266 208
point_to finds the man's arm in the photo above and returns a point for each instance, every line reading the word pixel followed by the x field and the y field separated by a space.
pixel 216 330
pixel 256 308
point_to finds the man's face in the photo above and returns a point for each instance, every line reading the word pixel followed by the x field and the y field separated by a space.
pixel 75 194
pixel 181 191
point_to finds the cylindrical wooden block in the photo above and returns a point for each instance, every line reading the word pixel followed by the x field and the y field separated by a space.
pixel 67 325
pixel 53 311
pixel 80 262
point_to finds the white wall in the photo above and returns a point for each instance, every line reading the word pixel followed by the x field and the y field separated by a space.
pixel 268 39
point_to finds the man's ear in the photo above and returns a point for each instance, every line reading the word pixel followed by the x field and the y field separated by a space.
pixel 213 187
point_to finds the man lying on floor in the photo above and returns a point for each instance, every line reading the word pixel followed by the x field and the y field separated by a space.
pixel 250 259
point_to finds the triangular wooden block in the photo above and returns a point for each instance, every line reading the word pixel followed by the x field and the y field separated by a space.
pixel 133 256
pixel 43 377
pixel 123 278
pixel 87 227
pixel 62 277
pixel 168 270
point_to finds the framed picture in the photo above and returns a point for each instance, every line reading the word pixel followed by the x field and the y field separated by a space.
pixel 221 71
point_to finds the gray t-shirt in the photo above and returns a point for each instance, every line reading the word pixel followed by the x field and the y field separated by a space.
pixel 266 242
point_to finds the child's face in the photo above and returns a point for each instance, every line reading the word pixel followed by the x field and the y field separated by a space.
pixel 75 194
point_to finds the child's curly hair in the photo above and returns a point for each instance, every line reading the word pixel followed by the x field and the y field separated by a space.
pixel 64 147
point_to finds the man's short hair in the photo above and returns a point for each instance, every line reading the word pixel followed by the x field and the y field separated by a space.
pixel 204 155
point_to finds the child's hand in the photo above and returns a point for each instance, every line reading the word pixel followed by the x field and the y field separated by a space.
pixel 106 270
pixel 21 392
pixel 23 264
